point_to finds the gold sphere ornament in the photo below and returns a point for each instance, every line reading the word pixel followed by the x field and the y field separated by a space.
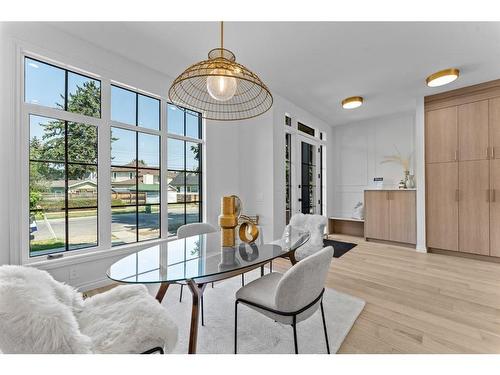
pixel 248 232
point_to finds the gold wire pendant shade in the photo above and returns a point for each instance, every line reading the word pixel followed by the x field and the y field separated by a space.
pixel 220 88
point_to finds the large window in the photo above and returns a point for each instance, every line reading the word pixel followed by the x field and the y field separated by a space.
pixel 63 200
pixel 81 127
pixel 184 174
pixel 135 168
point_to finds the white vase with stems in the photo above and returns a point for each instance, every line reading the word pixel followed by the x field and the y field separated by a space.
pixel 405 164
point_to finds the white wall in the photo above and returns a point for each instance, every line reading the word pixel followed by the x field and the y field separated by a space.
pixel 5 140
pixel 221 167
pixel 359 148
pixel 244 158
pixel 420 172
pixel 256 170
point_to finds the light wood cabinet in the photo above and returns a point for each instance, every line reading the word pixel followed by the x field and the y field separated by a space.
pixel 473 137
pixel 441 135
pixel 495 207
pixel 467 221
pixel 377 214
pixel 402 216
pixel 442 206
pixel 474 207
pixel 391 215
pixel 494 128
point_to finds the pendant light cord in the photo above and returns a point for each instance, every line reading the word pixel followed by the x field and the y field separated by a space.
pixel 221 38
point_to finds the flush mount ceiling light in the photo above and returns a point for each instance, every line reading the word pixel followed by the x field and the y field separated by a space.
pixel 442 77
pixel 220 88
pixel 352 102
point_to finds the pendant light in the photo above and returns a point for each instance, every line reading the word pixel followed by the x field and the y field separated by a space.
pixel 220 88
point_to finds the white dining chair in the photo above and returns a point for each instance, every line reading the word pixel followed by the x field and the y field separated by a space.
pixel 41 315
pixel 291 297
pixel 194 229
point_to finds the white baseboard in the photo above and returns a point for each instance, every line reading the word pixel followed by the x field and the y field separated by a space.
pixel 84 287
pixel 421 249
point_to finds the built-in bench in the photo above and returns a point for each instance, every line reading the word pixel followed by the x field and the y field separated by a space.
pixel 346 225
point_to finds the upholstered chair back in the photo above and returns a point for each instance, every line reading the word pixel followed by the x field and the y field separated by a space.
pixel 194 229
pixel 315 224
pixel 302 283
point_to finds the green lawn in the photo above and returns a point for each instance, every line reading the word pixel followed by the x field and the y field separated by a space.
pixel 46 245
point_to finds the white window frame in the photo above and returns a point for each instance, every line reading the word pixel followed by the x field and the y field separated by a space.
pixel 202 144
pixel 19 230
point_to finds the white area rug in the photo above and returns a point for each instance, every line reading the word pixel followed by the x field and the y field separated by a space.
pixel 258 334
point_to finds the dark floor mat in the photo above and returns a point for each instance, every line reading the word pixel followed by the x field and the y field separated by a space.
pixel 339 247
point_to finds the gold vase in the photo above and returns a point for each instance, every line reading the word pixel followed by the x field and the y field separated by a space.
pixel 228 219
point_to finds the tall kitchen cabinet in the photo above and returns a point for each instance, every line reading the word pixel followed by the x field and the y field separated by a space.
pixel 462 155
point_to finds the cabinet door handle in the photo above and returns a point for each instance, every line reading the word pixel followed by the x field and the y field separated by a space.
pixel 456 155
pixel 493 152
pixel 487 152
pixel 493 197
pixel 457 195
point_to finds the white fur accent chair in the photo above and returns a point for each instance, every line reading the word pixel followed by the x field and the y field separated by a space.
pixel 41 315
pixel 315 224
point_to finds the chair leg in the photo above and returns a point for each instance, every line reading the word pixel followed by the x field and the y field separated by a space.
pixel 262 270
pixel 212 285
pixel 180 297
pixel 202 314
pixel 242 279
pixel 235 326
pixel 324 327
pixel 294 325
pixel 270 266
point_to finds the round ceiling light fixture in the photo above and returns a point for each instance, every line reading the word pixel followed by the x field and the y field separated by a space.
pixel 220 88
pixel 352 102
pixel 442 77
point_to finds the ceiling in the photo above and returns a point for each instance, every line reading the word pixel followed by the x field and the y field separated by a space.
pixel 317 64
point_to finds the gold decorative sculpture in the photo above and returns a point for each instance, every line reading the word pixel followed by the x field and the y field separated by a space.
pixel 228 219
pixel 248 232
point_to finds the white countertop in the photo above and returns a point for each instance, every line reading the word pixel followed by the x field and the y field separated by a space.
pixel 390 189
pixel 346 219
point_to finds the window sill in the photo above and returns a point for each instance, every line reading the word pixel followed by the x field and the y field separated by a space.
pixel 72 259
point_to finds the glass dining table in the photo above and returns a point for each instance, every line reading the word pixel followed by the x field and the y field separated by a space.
pixel 199 260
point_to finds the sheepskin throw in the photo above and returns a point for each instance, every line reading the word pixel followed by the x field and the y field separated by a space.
pixel 41 315
pixel 315 224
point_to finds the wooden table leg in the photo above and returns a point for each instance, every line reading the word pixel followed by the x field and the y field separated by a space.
pixel 197 292
pixel 292 258
pixel 161 292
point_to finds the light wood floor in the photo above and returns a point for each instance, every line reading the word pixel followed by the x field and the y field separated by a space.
pixel 417 303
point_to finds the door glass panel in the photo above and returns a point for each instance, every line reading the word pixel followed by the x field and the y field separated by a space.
pixel 308 171
pixel 288 181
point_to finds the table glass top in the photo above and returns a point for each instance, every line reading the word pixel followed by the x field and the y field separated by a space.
pixel 198 257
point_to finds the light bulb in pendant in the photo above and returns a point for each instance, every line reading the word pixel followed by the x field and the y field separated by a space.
pixel 220 85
